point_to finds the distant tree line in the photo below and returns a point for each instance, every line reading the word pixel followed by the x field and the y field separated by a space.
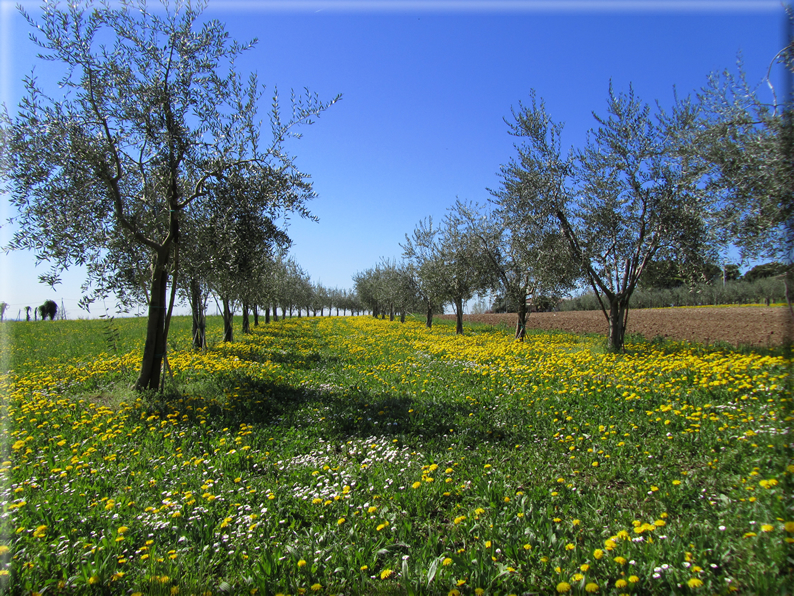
pixel 764 291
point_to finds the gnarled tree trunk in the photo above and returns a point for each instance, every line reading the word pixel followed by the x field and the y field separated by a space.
pixel 154 346
pixel 521 323
pixel 228 318
pixel 246 323
pixel 618 317
pixel 459 316
pixel 199 316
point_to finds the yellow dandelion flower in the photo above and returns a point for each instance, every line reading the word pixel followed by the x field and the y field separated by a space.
pixel 563 587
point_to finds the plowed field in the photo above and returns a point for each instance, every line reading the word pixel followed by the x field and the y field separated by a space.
pixel 737 325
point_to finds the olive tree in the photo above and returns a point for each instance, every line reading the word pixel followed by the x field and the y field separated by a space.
pixel 527 255
pixel 150 110
pixel 422 252
pixel 628 196
pixel 465 269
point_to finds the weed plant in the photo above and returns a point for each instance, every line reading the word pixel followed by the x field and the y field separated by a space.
pixel 358 456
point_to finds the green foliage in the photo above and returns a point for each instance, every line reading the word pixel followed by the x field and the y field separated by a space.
pixel 765 270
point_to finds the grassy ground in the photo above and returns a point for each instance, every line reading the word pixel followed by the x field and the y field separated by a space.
pixel 355 456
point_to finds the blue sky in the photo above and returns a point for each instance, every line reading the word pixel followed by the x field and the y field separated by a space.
pixel 426 87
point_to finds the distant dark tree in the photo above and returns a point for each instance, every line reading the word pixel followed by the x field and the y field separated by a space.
pixel 765 270
pixel 731 272
pixel 27 313
pixel 546 303
pixel 499 304
pixel 661 275
pixel 3 307
pixel 48 309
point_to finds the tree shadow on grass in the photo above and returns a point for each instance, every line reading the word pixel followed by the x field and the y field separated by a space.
pixel 302 361
pixel 334 413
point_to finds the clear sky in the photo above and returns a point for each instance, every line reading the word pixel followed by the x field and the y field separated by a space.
pixel 426 87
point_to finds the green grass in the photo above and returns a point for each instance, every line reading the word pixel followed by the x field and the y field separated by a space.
pixel 354 456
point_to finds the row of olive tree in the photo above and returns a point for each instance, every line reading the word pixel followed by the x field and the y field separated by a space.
pixel 147 160
pixel 597 215
pixel 649 185
pixel 264 285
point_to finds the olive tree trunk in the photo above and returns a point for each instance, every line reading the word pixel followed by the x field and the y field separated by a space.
pixel 199 316
pixel 228 318
pixel 154 346
pixel 521 322
pixel 246 322
pixel 459 316
pixel 618 317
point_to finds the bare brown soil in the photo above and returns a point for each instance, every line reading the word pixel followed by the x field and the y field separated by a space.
pixel 738 325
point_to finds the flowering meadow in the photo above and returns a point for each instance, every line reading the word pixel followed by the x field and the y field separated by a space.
pixel 349 455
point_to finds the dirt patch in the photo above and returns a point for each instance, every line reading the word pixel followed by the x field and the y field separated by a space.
pixel 738 325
